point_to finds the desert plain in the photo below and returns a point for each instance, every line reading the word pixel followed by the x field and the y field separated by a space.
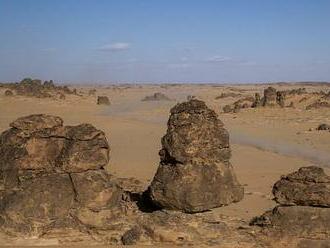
pixel 266 142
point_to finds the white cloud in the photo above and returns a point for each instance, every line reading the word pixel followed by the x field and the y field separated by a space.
pixel 218 59
pixel 117 46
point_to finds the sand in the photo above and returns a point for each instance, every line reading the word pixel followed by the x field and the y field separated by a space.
pixel 266 143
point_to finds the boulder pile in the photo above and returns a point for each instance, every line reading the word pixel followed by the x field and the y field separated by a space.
pixel 271 98
pixel 304 205
pixel 194 173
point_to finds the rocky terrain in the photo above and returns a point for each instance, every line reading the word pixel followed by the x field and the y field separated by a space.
pixel 35 88
pixel 44 164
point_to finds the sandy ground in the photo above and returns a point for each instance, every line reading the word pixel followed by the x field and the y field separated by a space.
pixel 266 143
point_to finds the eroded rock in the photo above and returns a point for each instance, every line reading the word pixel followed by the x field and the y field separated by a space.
pixel 50 173
pixel 103 100
pixel 194 174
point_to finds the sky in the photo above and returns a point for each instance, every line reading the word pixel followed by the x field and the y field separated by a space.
pixel 114 41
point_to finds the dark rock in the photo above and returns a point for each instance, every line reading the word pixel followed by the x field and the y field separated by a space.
pixel 309 186
pixel 50 172
pixel 156 97
pixel 270 97
pixel 301 221
pixel 103 100
pixel 9 93
pixel 132 236
pixel 280 96
pixel 323 127
pixel 194 174
pixel 257 101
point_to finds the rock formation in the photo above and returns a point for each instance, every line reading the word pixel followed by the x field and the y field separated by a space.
pixel 304 198
pixel 257 101
pixel 9 93
pixel 323 127
pixel 194 174
pixel 103 100
pixel 52 175
pixel 156 97
pixel 35 88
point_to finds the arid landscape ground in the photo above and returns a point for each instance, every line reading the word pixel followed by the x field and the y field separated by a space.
pixel 266 142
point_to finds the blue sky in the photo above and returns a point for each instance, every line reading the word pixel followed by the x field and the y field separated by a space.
pixel 99 41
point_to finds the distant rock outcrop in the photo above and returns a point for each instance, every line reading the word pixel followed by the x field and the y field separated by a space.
pixel 103 100
pixel 304 198
pixel 318 105
pixel 156 97
pixel 52 175
pixel 35 88
pixel 194 174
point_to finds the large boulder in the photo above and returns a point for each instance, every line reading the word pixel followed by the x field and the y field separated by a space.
pixel 309 186
pixel 304 198
pixel 270 96
pixel 194 174
pixel 50 173
pixel 103 100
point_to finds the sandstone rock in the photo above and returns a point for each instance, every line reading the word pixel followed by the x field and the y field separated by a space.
pixel 50 173
pixel 303 213
pixel 301 221
pixel 257 101
pixel 270 96
pixel 103 100
pixel 280 96
pixel 323 127
pixel 156 97
pixel 92 92
pixel 194 174
pixel 309 186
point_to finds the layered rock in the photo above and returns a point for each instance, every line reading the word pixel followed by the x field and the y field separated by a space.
pixel 304 198
pixel 194 174
pixel 52 174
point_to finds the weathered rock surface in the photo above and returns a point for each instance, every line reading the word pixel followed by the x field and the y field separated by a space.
pixel 194 174
pixel 50 174
pixel 269 98
pixel 297 221
pixel 304 198
pixel 103 100
pixel 309 186
pixel 157 97
pixel 35 88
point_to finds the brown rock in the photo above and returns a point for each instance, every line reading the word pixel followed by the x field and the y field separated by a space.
pixel 194 173
pixel 323 127
pixel 309 186
pixel 50 173
pixel 103 100
pixel 270 97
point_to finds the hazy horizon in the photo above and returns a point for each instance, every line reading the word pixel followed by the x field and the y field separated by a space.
pixel 165 41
